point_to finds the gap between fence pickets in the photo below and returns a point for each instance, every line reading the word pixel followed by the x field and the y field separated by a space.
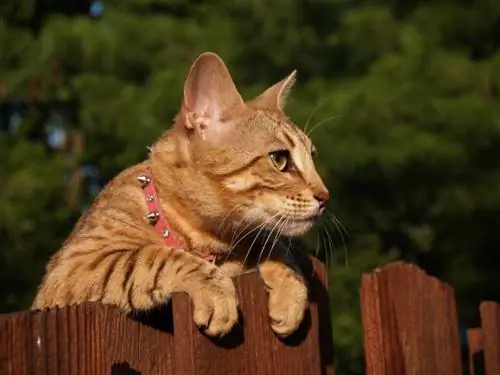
pixel 475 343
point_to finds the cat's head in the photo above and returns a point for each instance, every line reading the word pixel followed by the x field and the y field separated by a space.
pixel 260 163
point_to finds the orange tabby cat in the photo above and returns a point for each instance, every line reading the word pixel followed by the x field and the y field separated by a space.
pixel 226 171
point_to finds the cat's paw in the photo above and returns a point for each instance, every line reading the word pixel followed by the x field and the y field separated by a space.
pixel 215 305
pixel 288 300
pixel 287 305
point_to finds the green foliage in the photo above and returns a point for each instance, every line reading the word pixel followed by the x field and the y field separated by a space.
pixel 401 99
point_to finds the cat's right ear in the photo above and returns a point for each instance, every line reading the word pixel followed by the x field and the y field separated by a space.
pixel 209 91
pixel 276 95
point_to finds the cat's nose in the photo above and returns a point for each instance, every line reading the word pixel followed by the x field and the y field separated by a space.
pixel 322 197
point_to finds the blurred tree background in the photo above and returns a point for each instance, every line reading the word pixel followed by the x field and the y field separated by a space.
pixel 402 99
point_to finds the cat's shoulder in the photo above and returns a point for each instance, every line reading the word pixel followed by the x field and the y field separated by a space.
pixel 124 184
pixel 128 177
pixel 121 196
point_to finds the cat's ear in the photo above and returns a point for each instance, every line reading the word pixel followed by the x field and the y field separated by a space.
pixel 276 95
pixel 209 90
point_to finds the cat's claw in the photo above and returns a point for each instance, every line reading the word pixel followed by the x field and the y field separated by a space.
pixel 215 306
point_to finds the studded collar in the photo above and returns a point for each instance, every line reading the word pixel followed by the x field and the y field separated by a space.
pixel 156 217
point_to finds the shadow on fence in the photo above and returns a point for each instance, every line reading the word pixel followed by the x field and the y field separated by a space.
pixel 409 318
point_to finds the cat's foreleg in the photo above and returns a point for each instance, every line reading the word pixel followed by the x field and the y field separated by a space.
pixel 142 279
pixel 158 274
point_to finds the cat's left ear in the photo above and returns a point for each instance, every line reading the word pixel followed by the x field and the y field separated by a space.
pixel 276 95
pixel 209 94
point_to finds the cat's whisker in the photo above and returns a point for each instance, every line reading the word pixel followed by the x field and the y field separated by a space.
pixel 346 257
pixel 271 232
pixel 326 250
pixel 226 216
pixel 289 248
pixel 317 243
pixel 324 121
pixel 339 228
pixel 277 237
pixel 238 234
pixel 234 247
pixel 261 227
pixel 313 271
pixel 313 112
pixel 332 247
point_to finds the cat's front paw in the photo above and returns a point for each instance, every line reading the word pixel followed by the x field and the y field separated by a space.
pixel 287 298
pixel 287 305
pixel 215 304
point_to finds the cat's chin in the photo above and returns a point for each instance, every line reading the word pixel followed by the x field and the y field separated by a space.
pixel 297 228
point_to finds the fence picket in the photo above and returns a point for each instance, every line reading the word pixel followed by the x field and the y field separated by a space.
pixel 490 327
pixel 410 323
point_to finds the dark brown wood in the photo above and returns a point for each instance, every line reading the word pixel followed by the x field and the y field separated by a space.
pixel 490 327
pixel 92 339
pixel 15 344
pixel 475 343
pixel 87 339
pixel 410 323
pixel 253 348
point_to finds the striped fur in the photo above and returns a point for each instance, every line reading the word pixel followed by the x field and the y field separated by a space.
pixel 216 185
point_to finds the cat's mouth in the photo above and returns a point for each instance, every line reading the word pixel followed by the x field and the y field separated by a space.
pixel 310 218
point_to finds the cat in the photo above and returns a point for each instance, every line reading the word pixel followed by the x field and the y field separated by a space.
pixel 225 173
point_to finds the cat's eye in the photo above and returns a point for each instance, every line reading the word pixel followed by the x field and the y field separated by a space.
pixel 280 159
pixel 314 152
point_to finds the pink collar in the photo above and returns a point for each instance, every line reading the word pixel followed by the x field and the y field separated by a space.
pixel 156 217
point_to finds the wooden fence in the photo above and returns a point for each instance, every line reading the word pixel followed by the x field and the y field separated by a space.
pixel 411 327
pixel 95 340
pixel 409 319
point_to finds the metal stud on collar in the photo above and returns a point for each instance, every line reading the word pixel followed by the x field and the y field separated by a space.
pixel 144 180
pixel 165 233
pixel 150 198
pixel 153 217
